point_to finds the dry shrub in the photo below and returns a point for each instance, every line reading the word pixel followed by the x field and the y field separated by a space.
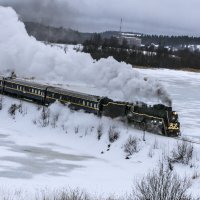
pixel 131 145
pixel 99 131
pixel 162 184
pixel 182 153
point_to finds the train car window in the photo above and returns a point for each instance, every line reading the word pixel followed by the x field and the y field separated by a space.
pixel 83 102
pixel 60 97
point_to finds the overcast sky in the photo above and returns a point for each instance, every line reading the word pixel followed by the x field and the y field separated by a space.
pixel 177 17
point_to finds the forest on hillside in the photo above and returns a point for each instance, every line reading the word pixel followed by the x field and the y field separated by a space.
pixel 149 55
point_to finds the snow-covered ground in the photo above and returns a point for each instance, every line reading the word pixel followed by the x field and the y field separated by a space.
pixel 67 153
pixel 35 158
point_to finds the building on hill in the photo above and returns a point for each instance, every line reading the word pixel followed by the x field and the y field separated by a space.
pixel 131 38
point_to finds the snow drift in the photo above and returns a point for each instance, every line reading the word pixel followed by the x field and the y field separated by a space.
pixel 27 57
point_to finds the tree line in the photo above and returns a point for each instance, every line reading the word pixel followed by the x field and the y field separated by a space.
pixel 146 55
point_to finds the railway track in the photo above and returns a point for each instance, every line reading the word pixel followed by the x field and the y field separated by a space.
pixel 186 139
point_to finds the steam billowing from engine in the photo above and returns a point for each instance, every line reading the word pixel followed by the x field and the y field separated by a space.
pixel 164 96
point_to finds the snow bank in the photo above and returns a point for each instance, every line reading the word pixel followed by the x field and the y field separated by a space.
pixel 28 57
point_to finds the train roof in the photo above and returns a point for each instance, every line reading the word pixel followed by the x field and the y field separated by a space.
pixel 74 93
pixel 27 83
pixel 54 89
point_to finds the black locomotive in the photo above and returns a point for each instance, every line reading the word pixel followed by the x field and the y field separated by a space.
pixel 157 118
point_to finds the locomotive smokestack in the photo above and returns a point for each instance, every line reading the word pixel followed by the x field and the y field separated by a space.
pixel 164 96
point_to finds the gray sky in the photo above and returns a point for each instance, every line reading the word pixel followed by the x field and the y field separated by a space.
pixel 177 17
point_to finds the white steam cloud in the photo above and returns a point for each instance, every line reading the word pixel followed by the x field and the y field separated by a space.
pixel 28 57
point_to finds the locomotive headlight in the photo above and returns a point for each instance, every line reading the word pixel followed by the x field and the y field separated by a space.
pixel 154 121
pixel 174 118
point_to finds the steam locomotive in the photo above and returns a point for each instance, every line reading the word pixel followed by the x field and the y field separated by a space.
pixel 158 118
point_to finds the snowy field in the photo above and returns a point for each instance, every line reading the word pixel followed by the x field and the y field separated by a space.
pixel 66 152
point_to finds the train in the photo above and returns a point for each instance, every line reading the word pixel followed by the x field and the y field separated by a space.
pixel 158 118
